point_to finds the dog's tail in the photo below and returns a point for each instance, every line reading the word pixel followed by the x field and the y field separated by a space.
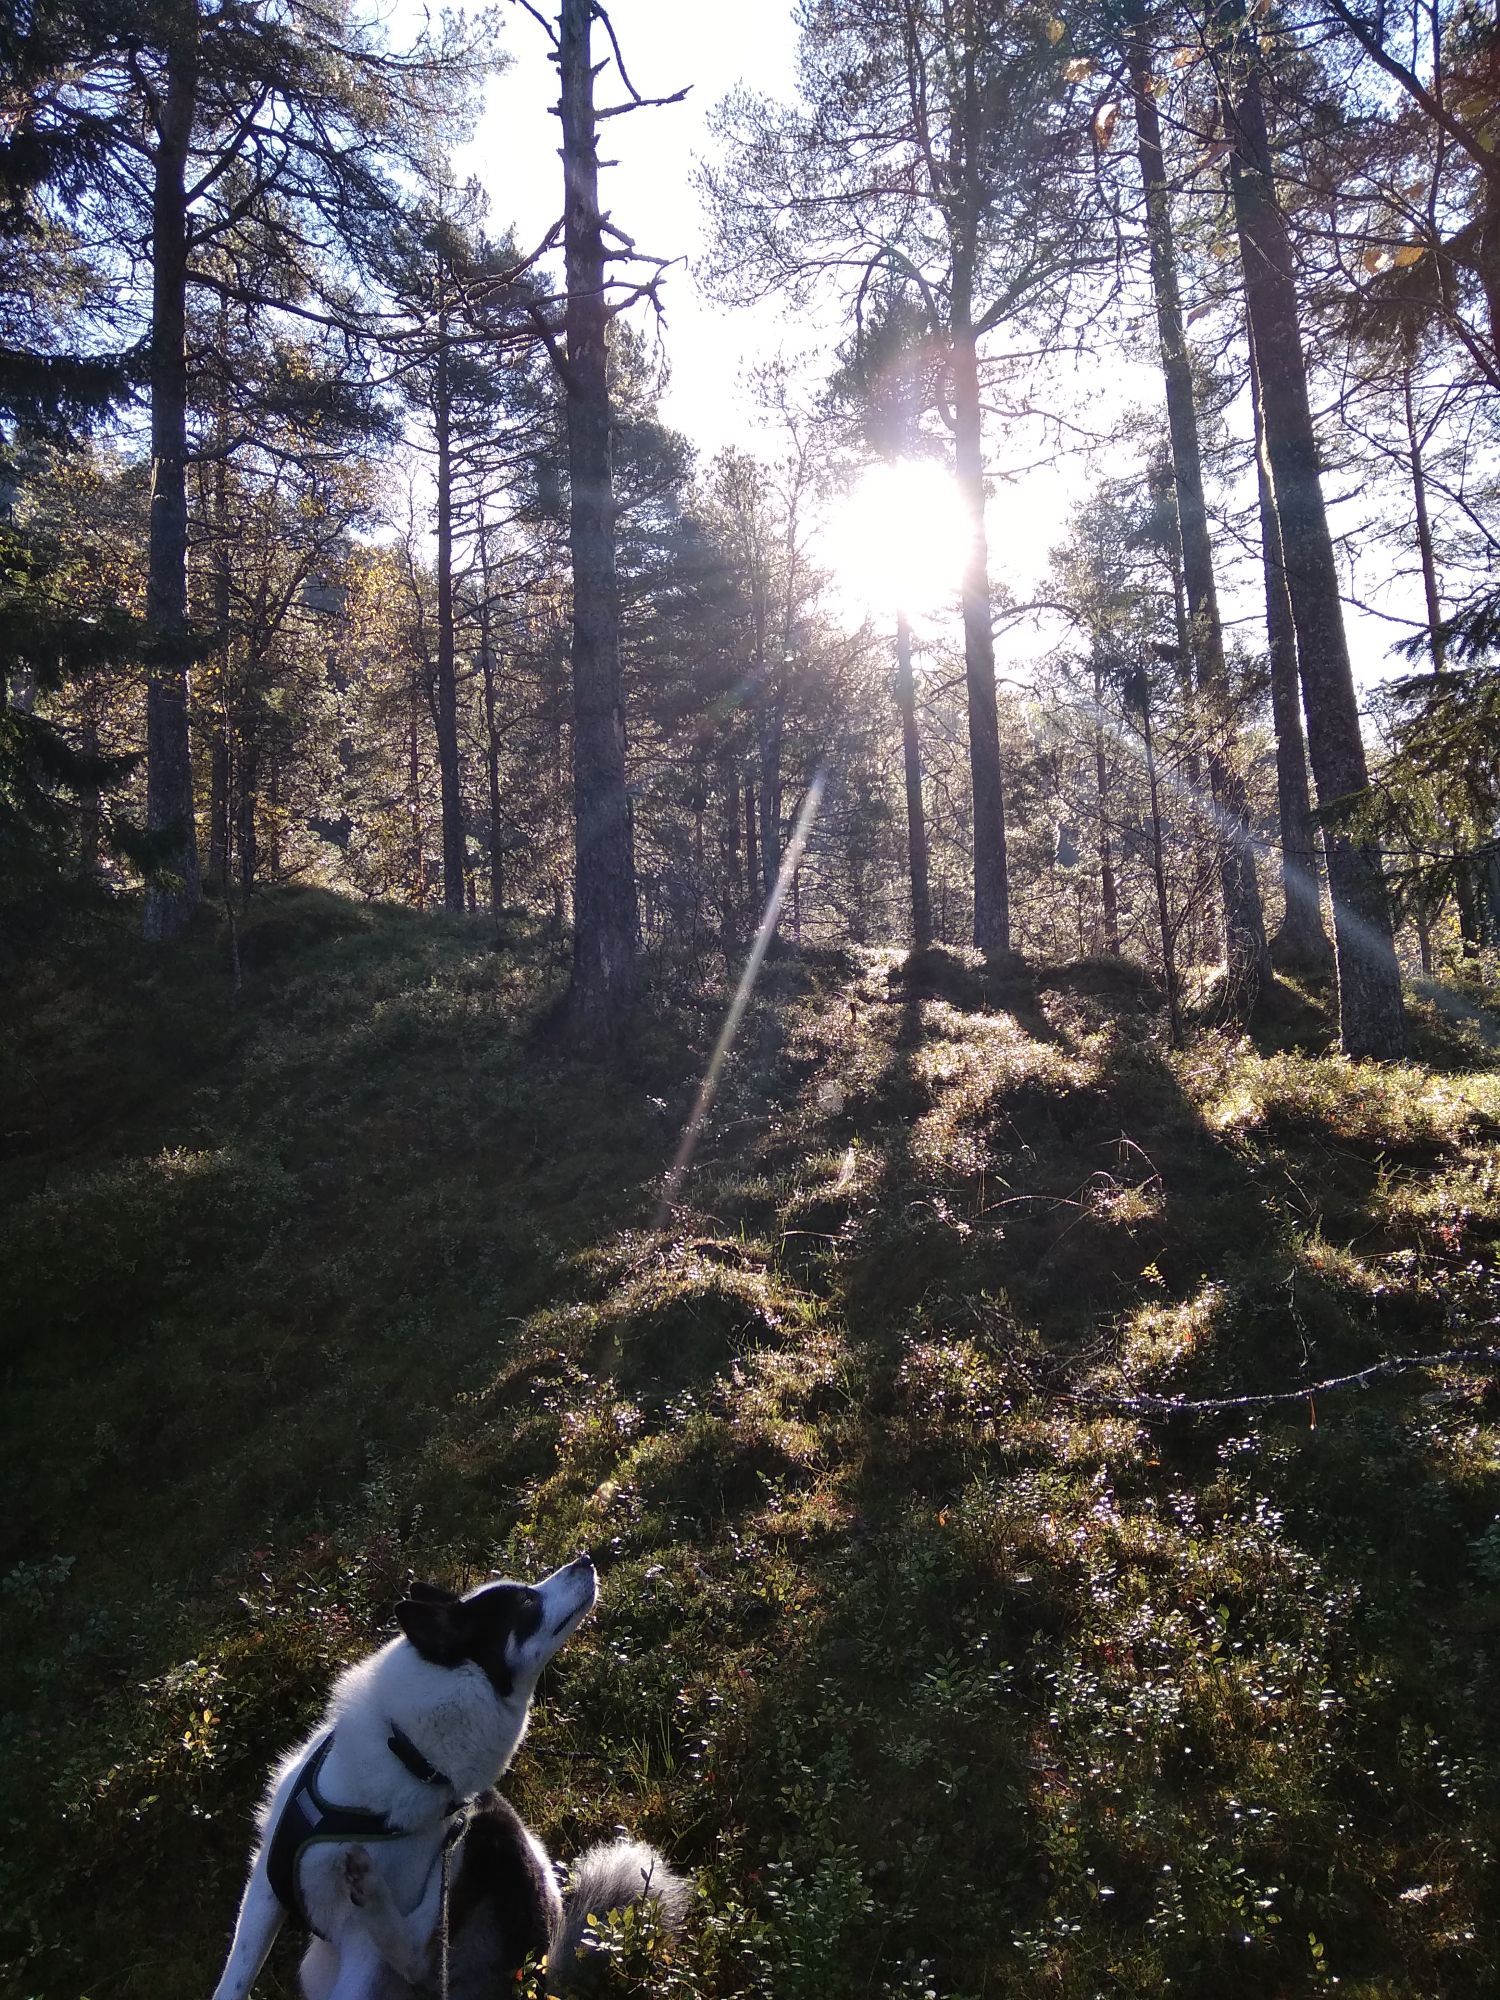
pixel 612 1876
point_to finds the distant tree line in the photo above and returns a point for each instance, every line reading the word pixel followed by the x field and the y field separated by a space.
pixel 343 541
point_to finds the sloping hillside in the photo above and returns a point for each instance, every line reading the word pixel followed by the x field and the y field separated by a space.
pixel 951 1665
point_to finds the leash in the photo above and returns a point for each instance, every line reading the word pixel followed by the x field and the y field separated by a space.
pixel 442 1985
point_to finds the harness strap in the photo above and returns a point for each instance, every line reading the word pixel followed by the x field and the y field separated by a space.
pixel 306 1819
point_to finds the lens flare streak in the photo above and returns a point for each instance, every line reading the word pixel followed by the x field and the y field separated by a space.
pixel 703 1103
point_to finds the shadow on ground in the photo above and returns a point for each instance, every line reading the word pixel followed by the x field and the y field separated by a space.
pixel 945 1670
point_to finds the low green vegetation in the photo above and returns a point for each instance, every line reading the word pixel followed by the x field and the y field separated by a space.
pixel 947 1671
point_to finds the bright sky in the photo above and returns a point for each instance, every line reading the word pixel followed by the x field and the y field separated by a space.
pixel 712 46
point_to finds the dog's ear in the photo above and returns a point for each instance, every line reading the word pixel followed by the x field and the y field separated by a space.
pixel 433 1593
pixel 439 1628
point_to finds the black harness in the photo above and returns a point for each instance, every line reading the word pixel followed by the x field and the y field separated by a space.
pixel 307 1819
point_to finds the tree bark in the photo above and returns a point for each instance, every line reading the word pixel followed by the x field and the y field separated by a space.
pixel 449 781
pixel 218 805
pixel 752 863
pixel 273 816
pixel 916 818
pixel 1247 961
pixel 170 902
pixel 1301 944
pixel 991 880
pixel 1371 1020
pixel 219 831
pixel 1430 591
pixel 1109 891
pixel 1488 256
pixel 417 859
pixel 245 790
pixel 605 913
pixel 492 755
pixel 772 731
pixel 1159 874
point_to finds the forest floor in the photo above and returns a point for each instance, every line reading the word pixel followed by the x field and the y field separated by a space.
pixel 946 1669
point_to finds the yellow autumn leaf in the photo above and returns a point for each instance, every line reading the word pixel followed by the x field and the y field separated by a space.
pixel 1078 69
pixel 1409 254
pixel 1185 58
pixel 1105 119
pixel 1376 260
pixel 1055 31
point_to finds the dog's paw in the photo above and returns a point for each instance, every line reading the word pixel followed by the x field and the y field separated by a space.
pixel 356 1867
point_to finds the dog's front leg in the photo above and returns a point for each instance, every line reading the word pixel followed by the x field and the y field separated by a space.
pixel 254 1933
pixel 403 1940
pixel 362 1969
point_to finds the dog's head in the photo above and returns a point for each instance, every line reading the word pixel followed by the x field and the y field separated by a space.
pixel 510 1630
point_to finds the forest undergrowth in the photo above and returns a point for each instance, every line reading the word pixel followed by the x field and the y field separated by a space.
pixel 945 1670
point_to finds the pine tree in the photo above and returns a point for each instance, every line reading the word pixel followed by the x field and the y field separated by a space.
pixel 1371 1021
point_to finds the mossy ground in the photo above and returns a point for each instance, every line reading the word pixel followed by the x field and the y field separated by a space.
pixel 944 1672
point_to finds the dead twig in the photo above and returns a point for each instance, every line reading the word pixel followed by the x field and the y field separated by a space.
pixel 1205 1406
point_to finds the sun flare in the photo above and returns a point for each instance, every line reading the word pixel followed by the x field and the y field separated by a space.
pixel 897 541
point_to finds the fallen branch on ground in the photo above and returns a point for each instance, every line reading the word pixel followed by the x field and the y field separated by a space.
pixel 1205 1406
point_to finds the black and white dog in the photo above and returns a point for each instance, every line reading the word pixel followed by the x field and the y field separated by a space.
pixel 358 1818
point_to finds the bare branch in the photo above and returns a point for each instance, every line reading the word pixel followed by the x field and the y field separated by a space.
pixel 1207 1406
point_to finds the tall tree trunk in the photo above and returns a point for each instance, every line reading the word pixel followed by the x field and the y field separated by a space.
pixel 219 832
pixel 1109 891
pixel 219 804
pixel 605 915
pixel 417 859
pixel 916 818
pixel 732 892
pixel 273 817
pixel 1203 930
pixel 1426 903
pixel 446 712
pixel 169 764
pixel 752 863
pixel 1466 895
pixel 1140 697
pixel 243 839
pixel 1430 591
pixel 1371 1020
pixel 1247 962
pixel 1301 944
pixel 991 880
pixel 492 753
pixel 1488 255
pixel 772 729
